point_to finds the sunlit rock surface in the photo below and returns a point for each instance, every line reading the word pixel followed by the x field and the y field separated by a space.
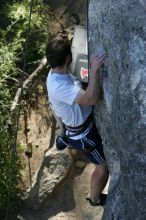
pixel 53 171
pixel 120 28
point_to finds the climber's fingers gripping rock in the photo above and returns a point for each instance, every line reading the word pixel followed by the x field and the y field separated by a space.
pixel 97 61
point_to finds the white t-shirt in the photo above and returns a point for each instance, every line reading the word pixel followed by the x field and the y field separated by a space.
pixel 62 91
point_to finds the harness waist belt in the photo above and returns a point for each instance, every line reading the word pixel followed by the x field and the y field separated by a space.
pixel 81 127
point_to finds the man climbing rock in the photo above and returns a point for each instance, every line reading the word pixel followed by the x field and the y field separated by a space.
pixel 72 107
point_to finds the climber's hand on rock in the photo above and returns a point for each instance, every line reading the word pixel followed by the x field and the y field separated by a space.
pixel 97 61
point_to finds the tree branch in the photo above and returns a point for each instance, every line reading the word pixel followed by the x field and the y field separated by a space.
pixel 21 71
pixel 27 81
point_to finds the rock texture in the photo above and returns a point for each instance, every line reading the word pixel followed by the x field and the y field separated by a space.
pixel 67 201
pixel 120 28
pixel 53 171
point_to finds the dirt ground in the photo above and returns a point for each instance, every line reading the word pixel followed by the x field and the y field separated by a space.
pixel 36 134
pixel 68 202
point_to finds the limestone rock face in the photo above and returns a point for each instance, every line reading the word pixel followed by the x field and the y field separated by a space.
pixel 120 28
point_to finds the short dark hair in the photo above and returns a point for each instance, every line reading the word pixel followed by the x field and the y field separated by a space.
pixel 57 51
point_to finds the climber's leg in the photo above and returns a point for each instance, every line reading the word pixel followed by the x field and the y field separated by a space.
pixel 98 181
pixel 91 146
pixel 100 174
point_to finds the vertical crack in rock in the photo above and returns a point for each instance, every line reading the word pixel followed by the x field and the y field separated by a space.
pixel 119 28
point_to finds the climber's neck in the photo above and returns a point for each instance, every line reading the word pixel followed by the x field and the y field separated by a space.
pixel 60 70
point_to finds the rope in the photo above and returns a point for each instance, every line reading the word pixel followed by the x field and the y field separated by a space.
pixel 28 153
pixel 14 145
pixel 88 38
pixel 88 46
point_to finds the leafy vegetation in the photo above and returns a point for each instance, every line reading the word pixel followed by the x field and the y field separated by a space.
pixel 14 18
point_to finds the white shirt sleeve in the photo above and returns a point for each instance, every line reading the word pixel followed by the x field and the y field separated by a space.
pixel 66 93
pixel 76 80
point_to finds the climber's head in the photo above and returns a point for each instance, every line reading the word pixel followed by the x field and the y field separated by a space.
pixel 58 53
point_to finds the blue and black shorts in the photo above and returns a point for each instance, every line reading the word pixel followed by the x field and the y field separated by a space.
pixel 91 145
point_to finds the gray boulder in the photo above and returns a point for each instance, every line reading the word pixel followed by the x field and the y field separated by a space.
pixel 51 174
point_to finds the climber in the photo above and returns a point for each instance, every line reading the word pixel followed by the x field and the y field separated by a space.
pixel 72 107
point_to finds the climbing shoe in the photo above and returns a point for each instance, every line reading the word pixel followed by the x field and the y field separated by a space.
pixel 99 203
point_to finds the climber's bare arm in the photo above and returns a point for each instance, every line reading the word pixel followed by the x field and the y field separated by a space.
pixel 61 130
pixel 91 95
pixel 59 124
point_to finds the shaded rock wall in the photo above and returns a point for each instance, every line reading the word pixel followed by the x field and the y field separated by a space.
pixel 120 27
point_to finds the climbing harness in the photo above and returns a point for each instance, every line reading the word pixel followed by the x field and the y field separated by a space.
pixel 14 145
pixel 62 141
pixel 81 128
